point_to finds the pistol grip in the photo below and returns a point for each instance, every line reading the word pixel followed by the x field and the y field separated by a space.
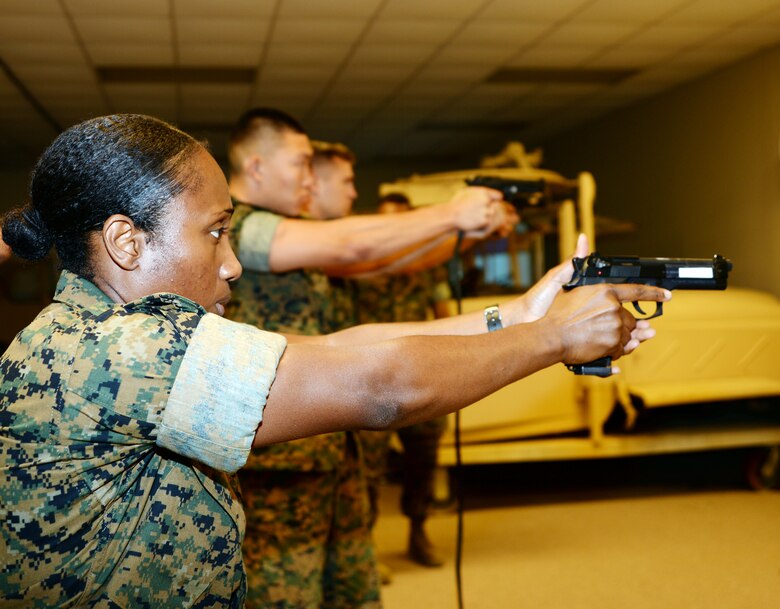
pixel 601 367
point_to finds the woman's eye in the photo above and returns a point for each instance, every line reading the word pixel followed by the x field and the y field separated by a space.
pixel 216 233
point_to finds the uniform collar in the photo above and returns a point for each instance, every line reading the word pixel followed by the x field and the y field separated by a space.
pixel 75 291
pixel 80 293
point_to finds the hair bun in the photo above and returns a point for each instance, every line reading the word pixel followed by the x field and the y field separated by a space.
pixel 26 234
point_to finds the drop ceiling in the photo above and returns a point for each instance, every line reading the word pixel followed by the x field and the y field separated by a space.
pixel 391 78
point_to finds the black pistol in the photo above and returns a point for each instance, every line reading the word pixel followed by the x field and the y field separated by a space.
pixel 669 273
pixel 520 193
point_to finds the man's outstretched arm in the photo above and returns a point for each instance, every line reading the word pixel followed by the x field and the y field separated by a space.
pixel 306 244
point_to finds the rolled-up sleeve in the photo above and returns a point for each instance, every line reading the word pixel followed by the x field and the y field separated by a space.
pixel 217 399
pixel 254 244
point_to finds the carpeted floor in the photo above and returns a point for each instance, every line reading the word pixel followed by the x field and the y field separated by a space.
pixel 676 532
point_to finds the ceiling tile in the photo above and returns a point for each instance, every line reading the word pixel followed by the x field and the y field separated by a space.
pixel 502 91
pixel 518 33
pixel 124 29
pixel 361 90
pixel 549 56
pixel 423 94
pixel 306 54
pixel 720 11
pixel 337 9
pixel 202 115
pixel 705 59
pixel 31 74
pixel 675 36
pixel 90 102
pixel 274 73
pixel 299 90
pixel 753 36
pixel 344 103
pixel 454 74
pixel 627 11
pixel 662 77
pixel 34 28
pixel 165 93
pixel 550 10
pixel 338 112
pixel 390 54
pixel 244 9
pixel 130 54
pixel 631 56
pixel 117 8
pixel 317 31
pixel 475 54
pixel 207 94
pixel 449 9
pixel 594 34
pixel 375 73
pixel 414 31
pixel 221 30
pixel 770 17
pixel 62 90
pixel 25 7
pixel 215 55
pixel 41 52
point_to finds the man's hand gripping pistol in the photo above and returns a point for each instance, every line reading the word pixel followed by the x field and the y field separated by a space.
pixel 669 273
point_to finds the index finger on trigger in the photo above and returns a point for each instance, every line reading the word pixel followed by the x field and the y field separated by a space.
pixel 633 292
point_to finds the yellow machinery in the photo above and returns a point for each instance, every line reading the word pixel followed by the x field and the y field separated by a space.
pixel 711 348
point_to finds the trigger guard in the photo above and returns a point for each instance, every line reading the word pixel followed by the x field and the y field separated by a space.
pixel 659 310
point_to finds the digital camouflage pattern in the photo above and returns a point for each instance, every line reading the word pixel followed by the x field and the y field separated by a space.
pixel 295 302
pixel 308 543
pixel 318 554
pixel 397 298
pixel 341 307
pixel 93 513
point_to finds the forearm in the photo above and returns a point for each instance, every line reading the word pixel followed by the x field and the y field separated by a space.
pixel 395 383
pixel 433 253
pixel 409 259
pixel 347 241
pixel 512 312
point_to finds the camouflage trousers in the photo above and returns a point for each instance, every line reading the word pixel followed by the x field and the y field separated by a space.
pixel 308 544
pixel 420 443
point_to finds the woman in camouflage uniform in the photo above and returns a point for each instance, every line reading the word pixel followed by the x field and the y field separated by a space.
pixel 128 402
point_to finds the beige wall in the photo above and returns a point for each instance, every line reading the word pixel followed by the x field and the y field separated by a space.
pixel 698 168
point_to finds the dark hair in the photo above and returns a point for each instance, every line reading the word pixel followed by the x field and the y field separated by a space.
pixel 327 151
pixel 126 164
pixel 251 122
pixel 395 197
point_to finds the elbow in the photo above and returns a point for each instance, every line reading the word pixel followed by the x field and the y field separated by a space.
pixel 354 250
pixel 401 395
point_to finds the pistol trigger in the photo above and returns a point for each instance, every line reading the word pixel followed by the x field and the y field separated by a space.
pixel 638 308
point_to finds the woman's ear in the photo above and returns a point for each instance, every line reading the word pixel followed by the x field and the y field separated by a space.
pixel 124 242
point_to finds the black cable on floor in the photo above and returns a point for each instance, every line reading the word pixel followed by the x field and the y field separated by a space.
pixel 455 281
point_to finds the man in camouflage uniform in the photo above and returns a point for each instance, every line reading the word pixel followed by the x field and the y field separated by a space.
pixel 308 542
pixel 393 298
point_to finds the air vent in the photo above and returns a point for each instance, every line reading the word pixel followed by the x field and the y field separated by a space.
pixel 135 74
pixel 558 76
